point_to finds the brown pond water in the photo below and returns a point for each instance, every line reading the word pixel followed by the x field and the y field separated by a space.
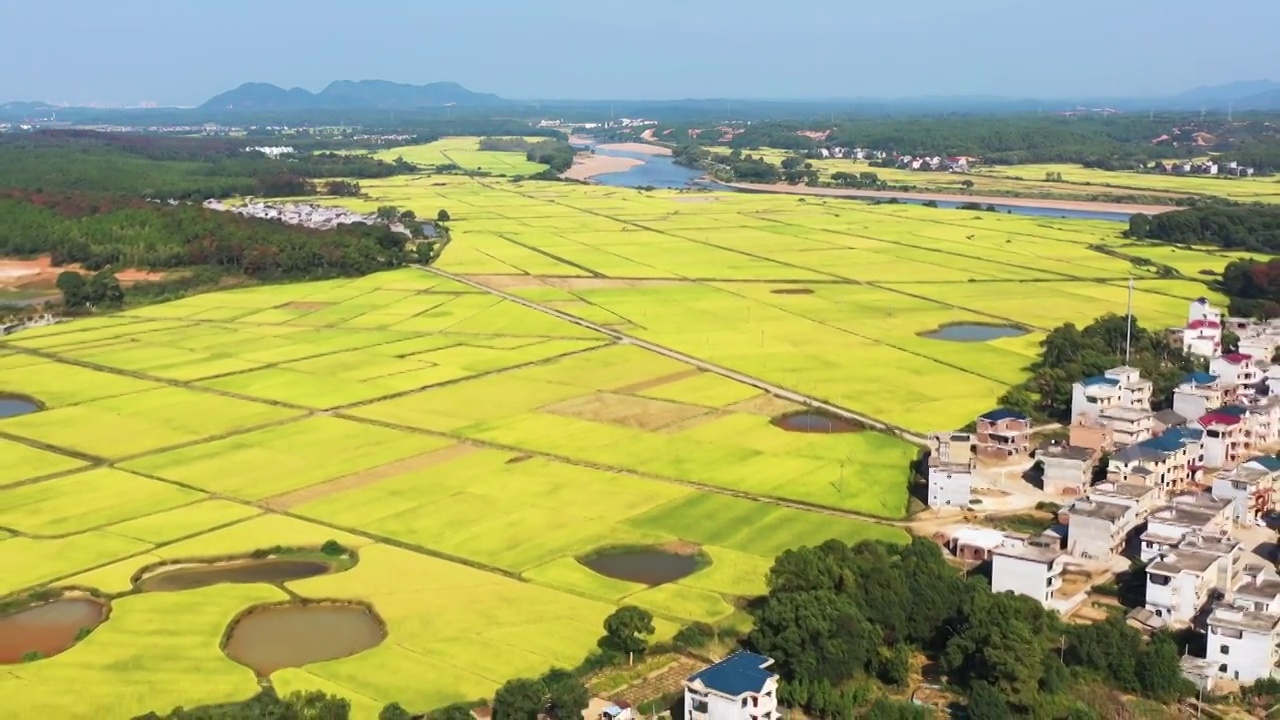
pixel 269 570
pixel 47 629
pixel 648 566
pixel 283 636
pixel 812 422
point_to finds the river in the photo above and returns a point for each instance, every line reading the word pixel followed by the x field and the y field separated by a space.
pixel 661 171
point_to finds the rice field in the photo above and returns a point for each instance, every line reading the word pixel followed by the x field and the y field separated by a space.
pixel 472 449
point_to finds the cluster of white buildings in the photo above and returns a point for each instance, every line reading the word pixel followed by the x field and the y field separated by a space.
pixel 319 217
pixel 1207 167
pixel 272 151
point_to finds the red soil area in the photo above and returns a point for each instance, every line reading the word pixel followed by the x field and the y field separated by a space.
pixel 41 274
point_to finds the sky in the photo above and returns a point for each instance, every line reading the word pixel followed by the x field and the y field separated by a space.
pixel 181 52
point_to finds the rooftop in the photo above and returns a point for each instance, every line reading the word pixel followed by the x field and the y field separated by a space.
pixel 740 673
pixel 1100 509
pixel 1226 615
pixel 1002 414
pixel 1264 588
pixel 1099 380
pixel 1236 358
pixel 1053 449
pixel 1029 552
pixel 1169 418
pixel 1125 412
pixel 1219 418
pixel 986 538
pixel 1180 561
pixel 1271 463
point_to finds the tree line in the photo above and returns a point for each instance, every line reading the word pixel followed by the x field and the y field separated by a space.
pixel 178 168
pixel 1244 227
pixel 733 166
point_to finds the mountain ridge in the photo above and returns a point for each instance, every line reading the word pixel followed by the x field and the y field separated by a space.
pixel 353 94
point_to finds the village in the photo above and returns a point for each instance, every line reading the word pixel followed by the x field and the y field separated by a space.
pixel 1180 497
pixel 317 217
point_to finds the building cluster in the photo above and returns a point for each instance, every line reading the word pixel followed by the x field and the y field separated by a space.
pixel 319 217
pixel 1205 167
pixel 272 151
pixel 740 687
pixel 1177 488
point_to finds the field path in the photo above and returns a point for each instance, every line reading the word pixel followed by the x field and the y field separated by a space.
pixel 621 337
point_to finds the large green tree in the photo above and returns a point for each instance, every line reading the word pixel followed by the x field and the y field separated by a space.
pixel 627 631
pixel 519 699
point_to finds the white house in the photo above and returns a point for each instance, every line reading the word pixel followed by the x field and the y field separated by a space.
pixel 1180 583
pixel 1249 487
pixel 951 464
pixel 1202 334
pixel 1236 370
pixel 1197 394
pixel 1170 525
pixel 1027 570
pixel 739 687
pixel 1115 388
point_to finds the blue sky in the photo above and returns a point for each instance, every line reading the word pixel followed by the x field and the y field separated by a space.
pixel 183 52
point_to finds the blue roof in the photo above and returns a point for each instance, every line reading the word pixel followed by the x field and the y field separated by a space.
pixel 1002 414
pixel 1200 378
pixel 1270 462
pixel 741 672
pixel 1234 410
pixel 1099 380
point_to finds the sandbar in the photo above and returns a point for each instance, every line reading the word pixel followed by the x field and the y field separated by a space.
pixel 589 165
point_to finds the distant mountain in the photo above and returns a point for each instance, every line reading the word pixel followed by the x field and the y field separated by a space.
pixel 14 108
pixel 343 94
pixel 1245 95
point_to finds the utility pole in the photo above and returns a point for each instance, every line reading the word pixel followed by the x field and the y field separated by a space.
pixel 1128 324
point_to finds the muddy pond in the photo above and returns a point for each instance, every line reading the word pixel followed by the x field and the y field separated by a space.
pixel 813 422
pixel 13 406
pixel 47 629
pixel 972 332
pixel 192 577
pixel 647 566
pixel 283 636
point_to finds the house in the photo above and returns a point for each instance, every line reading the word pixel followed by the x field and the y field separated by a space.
pixel 1202 334
pixel 1066 469
pixel 1168 461
pixel 1128 424
pixel 1187 516
pixel 1198 393
pixel 1181 583
pixel 1225 442
pixel 617 711
pixel 951 464
pixel 1089 433
pixel 739 687
pixel 1099 525
pixel 1027 570
pixel 1249 487
pixel 1243 644
pixel 1117 387
pixel 1003 434
pixel 1236 370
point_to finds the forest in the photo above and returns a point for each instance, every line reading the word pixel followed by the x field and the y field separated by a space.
pixel 1254 288
pixel 168 167
pixel 99 231
pixel 1237 227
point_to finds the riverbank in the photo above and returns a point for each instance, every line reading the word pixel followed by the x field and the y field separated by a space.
pixel 587 165
pixel 1023 202
pixel 638 148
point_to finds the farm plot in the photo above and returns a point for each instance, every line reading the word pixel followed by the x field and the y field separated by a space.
pixel 87 500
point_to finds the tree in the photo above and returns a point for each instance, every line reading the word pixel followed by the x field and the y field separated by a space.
pixel 519 699
pixel 1003 641
pixel 442 216
pixel 1159 672
pixel 694 636
pixel 72 286
pixel 104 290
pixel 986 703
pixel 387 213
pixel 394 712
pixel 627 631
pixel 567 697
pixel 456 711
pixel 967 184
pixel 1230 342
pixel 815 635
pixel 333 548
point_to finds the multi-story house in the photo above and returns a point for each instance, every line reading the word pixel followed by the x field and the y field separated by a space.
pixel 951 464
pixel 1250 487
pixel 1168 461
pixel 1066 469
pixel 1128 424
pixel 1197 394
pixel 1028 570
pixel 1203 332
pixel 1186 516
pixel 1121 387
pixel 1099 526
pixel 739 687
pixel 1226 439
pixel 1236 370
pixel 1003 434
pixel 1242 645
pixel 1181 583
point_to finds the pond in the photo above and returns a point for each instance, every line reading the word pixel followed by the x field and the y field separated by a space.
pixel 267 570
pixel 647 566
pixel 283 636
pixel 47 629
pixel 13 406
pixel 973 332
pixel 814 422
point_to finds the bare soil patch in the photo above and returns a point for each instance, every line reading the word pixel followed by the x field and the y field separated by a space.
pixel 290 500
pixel 508 282
pixel 696 199
pixel 792 291
pixel 308 306
pixel 764 404
pixel 41 274
pixel 587 165
pixel 657 382
pixel 693 422
pixel 682 547
pixel 625 410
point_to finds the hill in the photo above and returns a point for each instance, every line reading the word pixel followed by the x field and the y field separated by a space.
pixel 363 94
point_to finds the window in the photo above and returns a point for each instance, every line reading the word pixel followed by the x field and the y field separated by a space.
pixel 1224 649
pixel 744 702
pixel 1222 668
pixel 700 706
